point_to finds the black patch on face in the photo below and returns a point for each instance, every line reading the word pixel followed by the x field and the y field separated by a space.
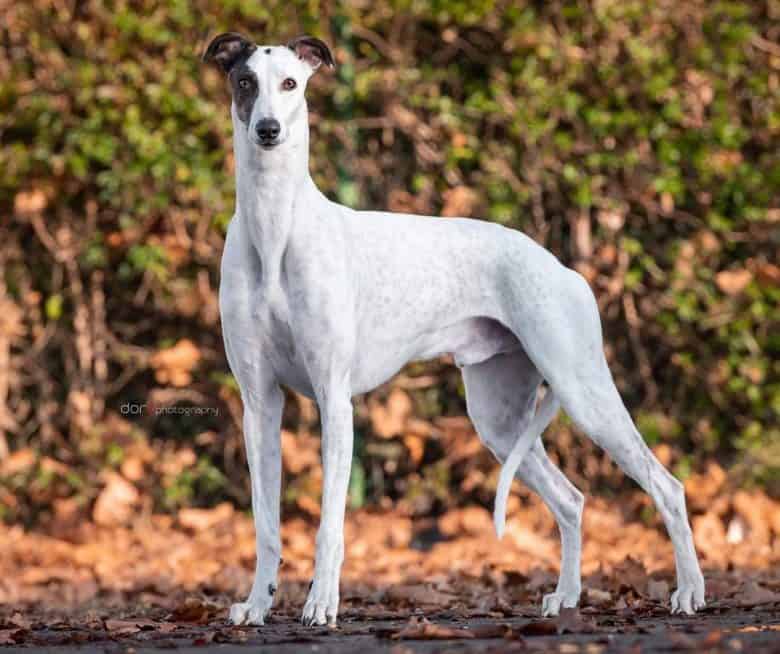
pixel 243 76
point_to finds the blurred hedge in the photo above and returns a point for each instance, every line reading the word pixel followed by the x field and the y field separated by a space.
pixel 637 140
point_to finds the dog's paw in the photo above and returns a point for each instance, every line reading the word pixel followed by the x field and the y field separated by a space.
pixel 251 612
pixel 552 603
pixel 688 598
pixel 321 606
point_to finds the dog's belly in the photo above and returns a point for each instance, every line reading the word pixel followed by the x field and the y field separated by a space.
pixel 469 341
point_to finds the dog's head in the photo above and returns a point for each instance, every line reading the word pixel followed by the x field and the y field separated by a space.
pixel 268 82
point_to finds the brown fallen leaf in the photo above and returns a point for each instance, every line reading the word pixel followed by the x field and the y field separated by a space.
pixel 132 468
pixel 629 574
pixel 117 501
pixel 121 627
pixel 658 590
pixel 709 534
pixel 19 461
pixel 682 641
pixel 174 365
pixel 231 635
pixel 733 282
pixel 538 628
pixel 423 629
pixel 417 595
pixel 12 636
pixel 195 610
pixel 713 638
pixel 20 621
pixel 309 505
pixel 570 621
pixel 205 638
pixel 389 419
pixel 201 519
pixel 459 201
pixel 754 595
pixel 473 520
pixel 415 444
pixel 299 451
pixel 769 274
pixel 597 597
pixel 499 631
pixel 30 202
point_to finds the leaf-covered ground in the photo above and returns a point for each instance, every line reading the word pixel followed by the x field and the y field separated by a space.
pixel 590 630
pixel 408 586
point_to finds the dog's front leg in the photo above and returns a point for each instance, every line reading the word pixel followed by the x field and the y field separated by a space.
pixel 262 438
pixel 336 411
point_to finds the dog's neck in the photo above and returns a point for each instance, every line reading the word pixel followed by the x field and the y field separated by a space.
pixel 268 184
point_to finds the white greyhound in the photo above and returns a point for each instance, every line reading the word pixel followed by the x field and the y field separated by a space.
pixel 332 302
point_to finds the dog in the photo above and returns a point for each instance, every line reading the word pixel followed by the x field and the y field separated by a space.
pixel 332 302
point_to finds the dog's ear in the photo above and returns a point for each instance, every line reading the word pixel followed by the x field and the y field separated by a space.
pixel 227 49
pixel 313 51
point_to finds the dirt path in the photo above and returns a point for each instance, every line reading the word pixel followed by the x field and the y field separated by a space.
pixel 593 632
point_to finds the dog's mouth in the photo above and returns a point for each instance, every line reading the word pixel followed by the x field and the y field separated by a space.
pixel 267 144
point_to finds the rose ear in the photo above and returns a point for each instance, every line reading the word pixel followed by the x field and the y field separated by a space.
pixel 313 51
pixel 227 49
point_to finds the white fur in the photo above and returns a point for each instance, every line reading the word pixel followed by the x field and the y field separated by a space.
pixel 333 302
pixel 525 441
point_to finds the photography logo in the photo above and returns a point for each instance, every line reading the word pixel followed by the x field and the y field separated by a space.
pixel 136 409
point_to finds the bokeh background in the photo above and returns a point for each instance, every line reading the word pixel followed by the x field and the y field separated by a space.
pixel 639 141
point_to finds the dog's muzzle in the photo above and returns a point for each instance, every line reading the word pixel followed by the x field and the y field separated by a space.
pixel 267 131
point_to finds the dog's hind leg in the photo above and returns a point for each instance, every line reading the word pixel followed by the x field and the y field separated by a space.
pixel 568 352
pixel 596 408
pixel 542 476
pixel 501 396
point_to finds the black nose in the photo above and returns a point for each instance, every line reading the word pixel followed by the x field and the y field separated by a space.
pixel 268 129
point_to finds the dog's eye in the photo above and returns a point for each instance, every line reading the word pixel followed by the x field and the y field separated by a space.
pixel 244 83
pixel 289 84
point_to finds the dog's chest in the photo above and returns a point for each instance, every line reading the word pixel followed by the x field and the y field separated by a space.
pixel 256 317
pixel 274 323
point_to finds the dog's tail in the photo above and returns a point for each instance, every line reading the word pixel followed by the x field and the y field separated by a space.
pixel 542 418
